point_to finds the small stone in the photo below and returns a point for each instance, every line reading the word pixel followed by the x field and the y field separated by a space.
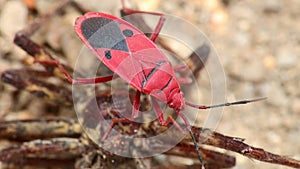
pixel 44 6
pixel 6 102
pixel 68 43
pixel 168 7
pixel 55 30
pixel 148 5
pixel 275 94
pixel 272 6
pixel 269 62
pixel 274 138
pixel 30 4
pixel 246 90
pixel 262 37
pixel 254 70
pixel 12 18
pixel 286 58
pixel 103 6
pixel 219 18
pixel 5 47
pixel 242 39
pixel 244 25
pixel 2 2
pixel 296 106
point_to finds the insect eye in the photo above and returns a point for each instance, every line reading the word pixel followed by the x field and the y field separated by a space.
pixel 107 54
pixel 127 33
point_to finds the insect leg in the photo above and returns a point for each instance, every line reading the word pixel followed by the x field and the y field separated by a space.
pixel 188 126
pixel 113 123
pixel 22 39
pixel 136 104
pixel 135 110
pixel 158 27
pixel 181 68
pixel 39 54
pixel 160 116
pixel 184 80
pixel 43 57
pixel 196 61
pixel 69 78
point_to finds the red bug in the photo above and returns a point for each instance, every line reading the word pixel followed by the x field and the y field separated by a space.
pixel 136 59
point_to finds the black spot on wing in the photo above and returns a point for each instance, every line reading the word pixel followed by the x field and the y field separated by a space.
pixel 127 32
pixel 107 54
pixel 103 33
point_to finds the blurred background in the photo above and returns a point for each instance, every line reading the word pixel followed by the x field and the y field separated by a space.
pixel 258 44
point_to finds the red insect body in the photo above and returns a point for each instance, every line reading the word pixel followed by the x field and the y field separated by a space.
pixel 131 55
pixel 136 59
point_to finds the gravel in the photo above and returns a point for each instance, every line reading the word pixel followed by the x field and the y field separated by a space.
pixel 258 43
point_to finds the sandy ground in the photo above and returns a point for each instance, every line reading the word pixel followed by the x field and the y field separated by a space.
pixel 258 45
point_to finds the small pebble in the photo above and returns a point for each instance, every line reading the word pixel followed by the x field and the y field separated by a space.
pixel 12 18
pixel 244 25
pixel 272 6
pixel 55 32
pixel 242 39
pixel 103 5
pixel 44 6
pixel 2 2
pixel 250 70
pixel 269 62
pixel 296 106
pixel 275 94
pixel 286 58
pixel 148 5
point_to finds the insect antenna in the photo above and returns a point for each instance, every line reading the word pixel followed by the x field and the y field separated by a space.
pixel 224 104
pixel 209 107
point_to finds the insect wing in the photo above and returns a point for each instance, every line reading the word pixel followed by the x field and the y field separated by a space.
pixel 121 47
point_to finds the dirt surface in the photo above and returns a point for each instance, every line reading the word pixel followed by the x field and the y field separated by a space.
pixel 258 45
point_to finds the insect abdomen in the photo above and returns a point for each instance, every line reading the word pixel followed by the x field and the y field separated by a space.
pixel 160 82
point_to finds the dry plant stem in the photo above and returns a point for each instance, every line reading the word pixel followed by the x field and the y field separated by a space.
pixel 28 80
pixel 63 148
pixel 205 136
pixel 56 150
pixel 63 141
pixel 212 159
pixel 34 163
pixel 52 128
pixel 58 140
pixel 22 38
pixel 24 130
